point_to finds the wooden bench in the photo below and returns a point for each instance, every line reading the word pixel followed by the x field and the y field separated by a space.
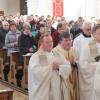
pixel 3 59
pixel 6 94
pixel 25 76
pixel 1 68
pixel 14 63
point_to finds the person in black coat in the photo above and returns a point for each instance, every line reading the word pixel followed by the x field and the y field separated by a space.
pixel 3 31
pixel 26 45
pixel 26 42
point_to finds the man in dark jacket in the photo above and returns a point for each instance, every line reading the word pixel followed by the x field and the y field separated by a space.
pixel 26 42
pixel 26 45
pixel 3 31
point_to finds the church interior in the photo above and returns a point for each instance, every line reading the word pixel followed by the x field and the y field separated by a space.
pixel 14 73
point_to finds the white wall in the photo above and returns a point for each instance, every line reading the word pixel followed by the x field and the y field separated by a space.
pixel 40 7
pixel 13 6
pixel 3 5
pixel 72 8
pixel 45 7
pixel 32 6
pixel 10 7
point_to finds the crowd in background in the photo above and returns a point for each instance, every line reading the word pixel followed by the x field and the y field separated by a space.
pixel 37 24
pixel 21 33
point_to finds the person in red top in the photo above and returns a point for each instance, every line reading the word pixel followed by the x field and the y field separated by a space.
pixel 57 33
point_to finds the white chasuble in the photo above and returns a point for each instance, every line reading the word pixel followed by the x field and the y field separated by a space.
pixel 73 81
pixel 87 70
pixel 44 83
pixel 97 78
pixel 80 41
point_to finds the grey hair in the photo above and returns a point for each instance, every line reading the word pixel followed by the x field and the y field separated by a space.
pixel 26 25
pixel 87 23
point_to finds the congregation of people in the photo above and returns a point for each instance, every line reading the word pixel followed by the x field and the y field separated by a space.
pixel 65 55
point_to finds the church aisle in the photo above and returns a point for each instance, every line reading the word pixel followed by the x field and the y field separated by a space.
pixel 16 95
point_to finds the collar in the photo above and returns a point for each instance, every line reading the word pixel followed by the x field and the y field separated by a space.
pixel 87 36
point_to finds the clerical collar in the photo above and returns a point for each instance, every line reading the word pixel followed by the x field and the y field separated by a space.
pixel 87 36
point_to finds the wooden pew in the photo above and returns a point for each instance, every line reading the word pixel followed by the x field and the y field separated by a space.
pixel 6 94
pixel 25 76
pixel 3 59
pixel 1 68
pixel 14 63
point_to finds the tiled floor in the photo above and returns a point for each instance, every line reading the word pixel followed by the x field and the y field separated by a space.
pixel 16 95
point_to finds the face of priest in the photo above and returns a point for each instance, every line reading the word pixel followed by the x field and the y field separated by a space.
pixel 47 43
pixel 66 43
pixel 87 29
pixel 97 35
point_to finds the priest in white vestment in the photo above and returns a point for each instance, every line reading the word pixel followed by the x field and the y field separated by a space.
pixel 89 74
pixel 97 73
pixel 85 37
pixel 47 73
pixel 72 55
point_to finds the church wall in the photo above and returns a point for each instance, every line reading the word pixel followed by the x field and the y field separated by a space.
pixel 40 7
pixel 3 5
pixel 72 8
pixel 10 7
pixel 13 6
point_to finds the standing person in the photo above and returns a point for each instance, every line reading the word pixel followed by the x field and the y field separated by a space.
pixel 11 40
pixel 47 73
pixel 89 74
pixel 26 45
pixel 26 42
pixel 11 43
pixel 3 31
pixel 85 37
pixel 96 34
pixel 57 33
pixel 41 32
pixel 49 24
pixel 71 54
